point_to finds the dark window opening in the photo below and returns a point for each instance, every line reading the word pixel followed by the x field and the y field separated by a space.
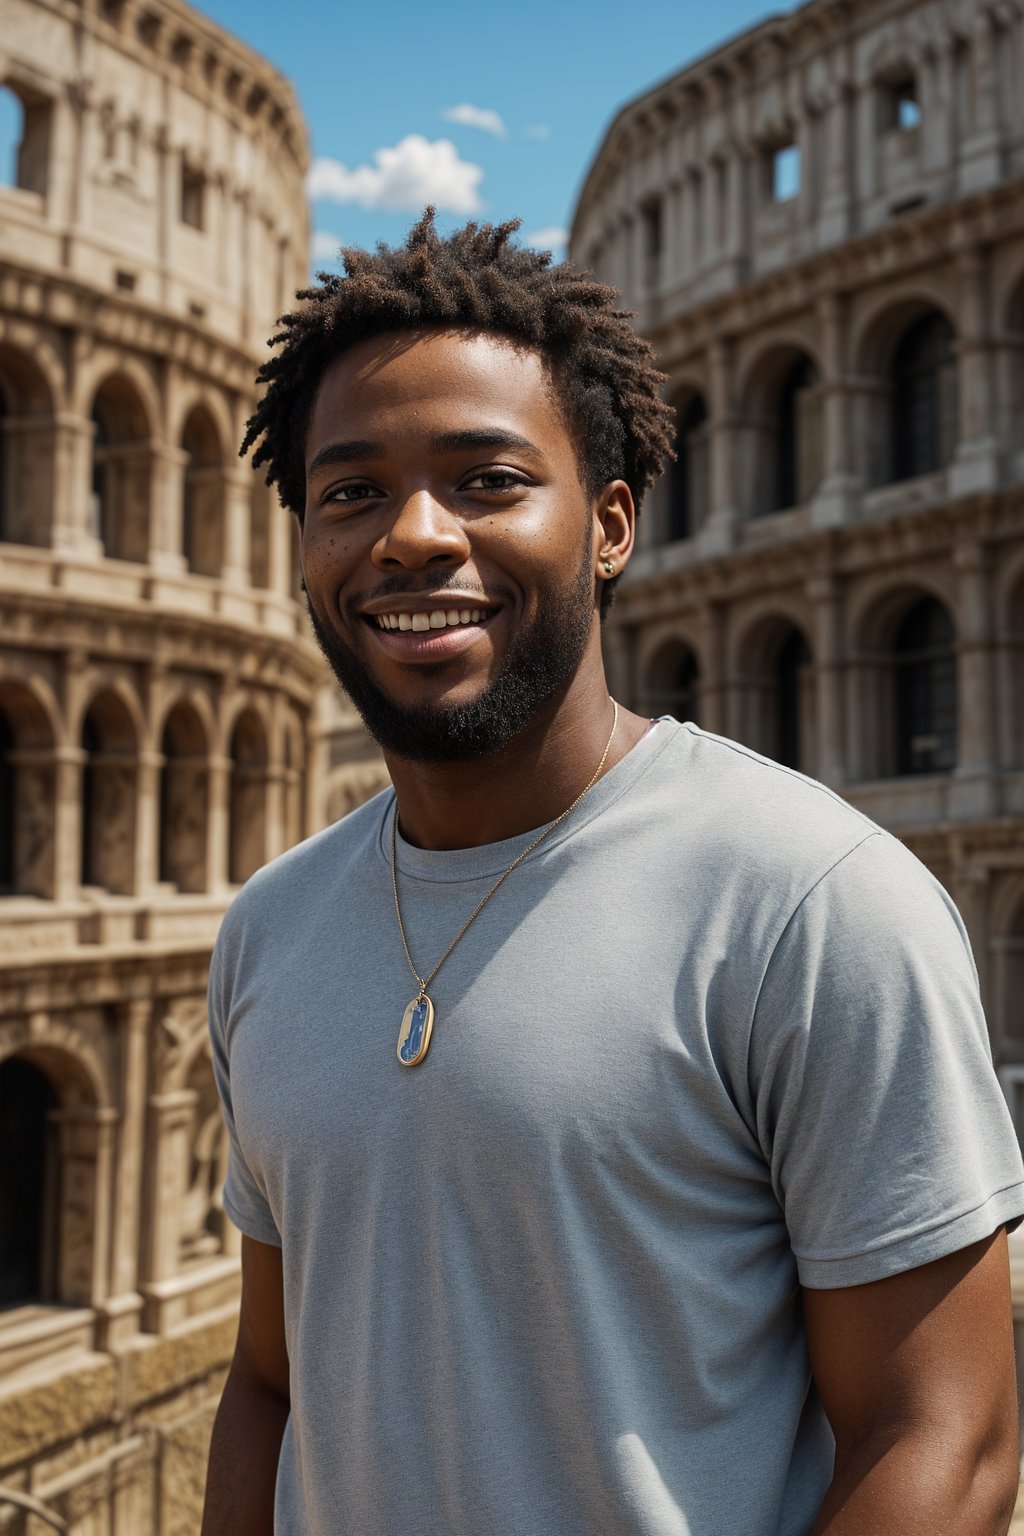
pixel 925 664
pixel 901 108
pixel 790 672
pixel 689 478
pixel 672 683
pixel 25 120
pixel 925 402
pixel 28 1177
pixel 193 189
pixel 797 438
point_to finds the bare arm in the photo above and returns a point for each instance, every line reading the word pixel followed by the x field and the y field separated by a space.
pixel 916 1375
pixel 250 1421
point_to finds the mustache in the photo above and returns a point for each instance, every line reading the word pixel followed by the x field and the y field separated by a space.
pixel 400 586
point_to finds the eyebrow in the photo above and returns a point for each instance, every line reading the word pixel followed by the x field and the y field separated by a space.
pixel 447 442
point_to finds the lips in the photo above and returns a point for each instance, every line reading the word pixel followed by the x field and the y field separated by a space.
pixel 429 634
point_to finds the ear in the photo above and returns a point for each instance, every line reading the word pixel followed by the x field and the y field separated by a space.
pixel 614 529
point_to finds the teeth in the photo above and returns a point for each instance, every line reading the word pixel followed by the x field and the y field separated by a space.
pixel 441 618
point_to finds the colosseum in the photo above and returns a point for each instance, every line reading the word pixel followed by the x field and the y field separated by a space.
pixel 159 724
pixel 820 227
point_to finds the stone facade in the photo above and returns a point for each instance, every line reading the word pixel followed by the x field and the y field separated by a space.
pixel 160 732
pixel 820 227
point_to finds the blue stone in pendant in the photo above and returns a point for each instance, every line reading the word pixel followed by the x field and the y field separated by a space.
pixel 414 1036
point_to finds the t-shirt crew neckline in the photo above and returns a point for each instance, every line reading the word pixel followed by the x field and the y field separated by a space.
pixel 451 865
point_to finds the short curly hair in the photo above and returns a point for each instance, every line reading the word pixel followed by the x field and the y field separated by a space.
pixel 604 373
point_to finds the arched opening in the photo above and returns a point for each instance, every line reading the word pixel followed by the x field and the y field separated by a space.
pixel 202 525
pixel 688 480
pixel 924 663
pixel 1014 389
pixel 28 799
pixel 25 118
pixel 108 795
pixel 924 398
pixel 26 450
pixel 247 840
pixel 786 420
pixel 777 694
pixel 184 801
pixel 672 684
pixel 29 1184
pixel 122 471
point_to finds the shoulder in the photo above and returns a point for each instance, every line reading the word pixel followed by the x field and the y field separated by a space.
pixel 771 829
pixel 286 891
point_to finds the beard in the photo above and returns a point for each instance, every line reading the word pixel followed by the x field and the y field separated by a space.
pixel 541 659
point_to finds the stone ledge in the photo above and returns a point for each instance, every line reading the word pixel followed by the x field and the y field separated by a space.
pixel 153 1367
pixel 35 1415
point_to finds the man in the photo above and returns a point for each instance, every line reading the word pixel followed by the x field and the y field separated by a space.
pixel 613 1130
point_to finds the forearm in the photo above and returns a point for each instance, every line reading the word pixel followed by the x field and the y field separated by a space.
pixel 919 1484
pixel 244 1453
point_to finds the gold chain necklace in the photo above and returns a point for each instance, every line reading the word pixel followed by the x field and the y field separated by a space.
pixel 418 1019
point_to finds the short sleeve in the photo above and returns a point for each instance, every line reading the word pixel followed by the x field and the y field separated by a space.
pixel 245 1199
pixel 878 1108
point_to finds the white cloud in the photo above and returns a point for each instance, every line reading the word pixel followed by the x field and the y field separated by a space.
pixel 325 245
pixel 551 239
pixel 477 117
pixel 538 131
pixel 416 171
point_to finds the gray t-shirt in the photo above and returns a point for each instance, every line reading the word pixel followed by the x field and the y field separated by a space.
pixel 718 1037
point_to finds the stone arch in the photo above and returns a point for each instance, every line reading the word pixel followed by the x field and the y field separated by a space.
pixel 688 478
pixel 782 412
pixel 122 468
pixel 670 681
pixel 27 406
pixel 772 677
pixel 28 791
pixel 247 795
pixel 54 1173
pixel 110 744
pixel 904 667
pixel 909 416
pixel 184 800
pixel 203 492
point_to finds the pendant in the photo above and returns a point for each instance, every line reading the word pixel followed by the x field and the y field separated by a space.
pixel 414 1035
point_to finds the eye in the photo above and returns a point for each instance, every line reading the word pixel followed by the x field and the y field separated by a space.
pixel 496 480
pixel 353 491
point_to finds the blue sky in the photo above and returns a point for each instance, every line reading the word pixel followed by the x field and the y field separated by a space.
pixel 541 79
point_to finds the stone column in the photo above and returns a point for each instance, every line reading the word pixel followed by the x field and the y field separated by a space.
pixel 672 253
pixel 737 230
pixel 981 157
pixel 718 534
pixel 970 889
pixel 835 500
pixel 167 533
pixel 171 1118
pixel 835 219
pixel 67 822
pixel 237 517
pixel 218 823
pixel 976 467
pixel 122 1308
pixel 86 1141
pixel 147 831
pixel 74 529
pixel 972 793
pixel 830 678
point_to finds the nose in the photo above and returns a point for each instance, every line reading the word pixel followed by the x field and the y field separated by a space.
pixel 423 532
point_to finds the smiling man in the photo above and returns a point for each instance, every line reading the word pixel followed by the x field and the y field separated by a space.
pixel 613 1132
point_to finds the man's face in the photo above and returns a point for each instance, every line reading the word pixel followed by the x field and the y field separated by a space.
pixel 442 488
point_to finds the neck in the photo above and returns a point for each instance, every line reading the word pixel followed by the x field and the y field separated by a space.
pixel 530 782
